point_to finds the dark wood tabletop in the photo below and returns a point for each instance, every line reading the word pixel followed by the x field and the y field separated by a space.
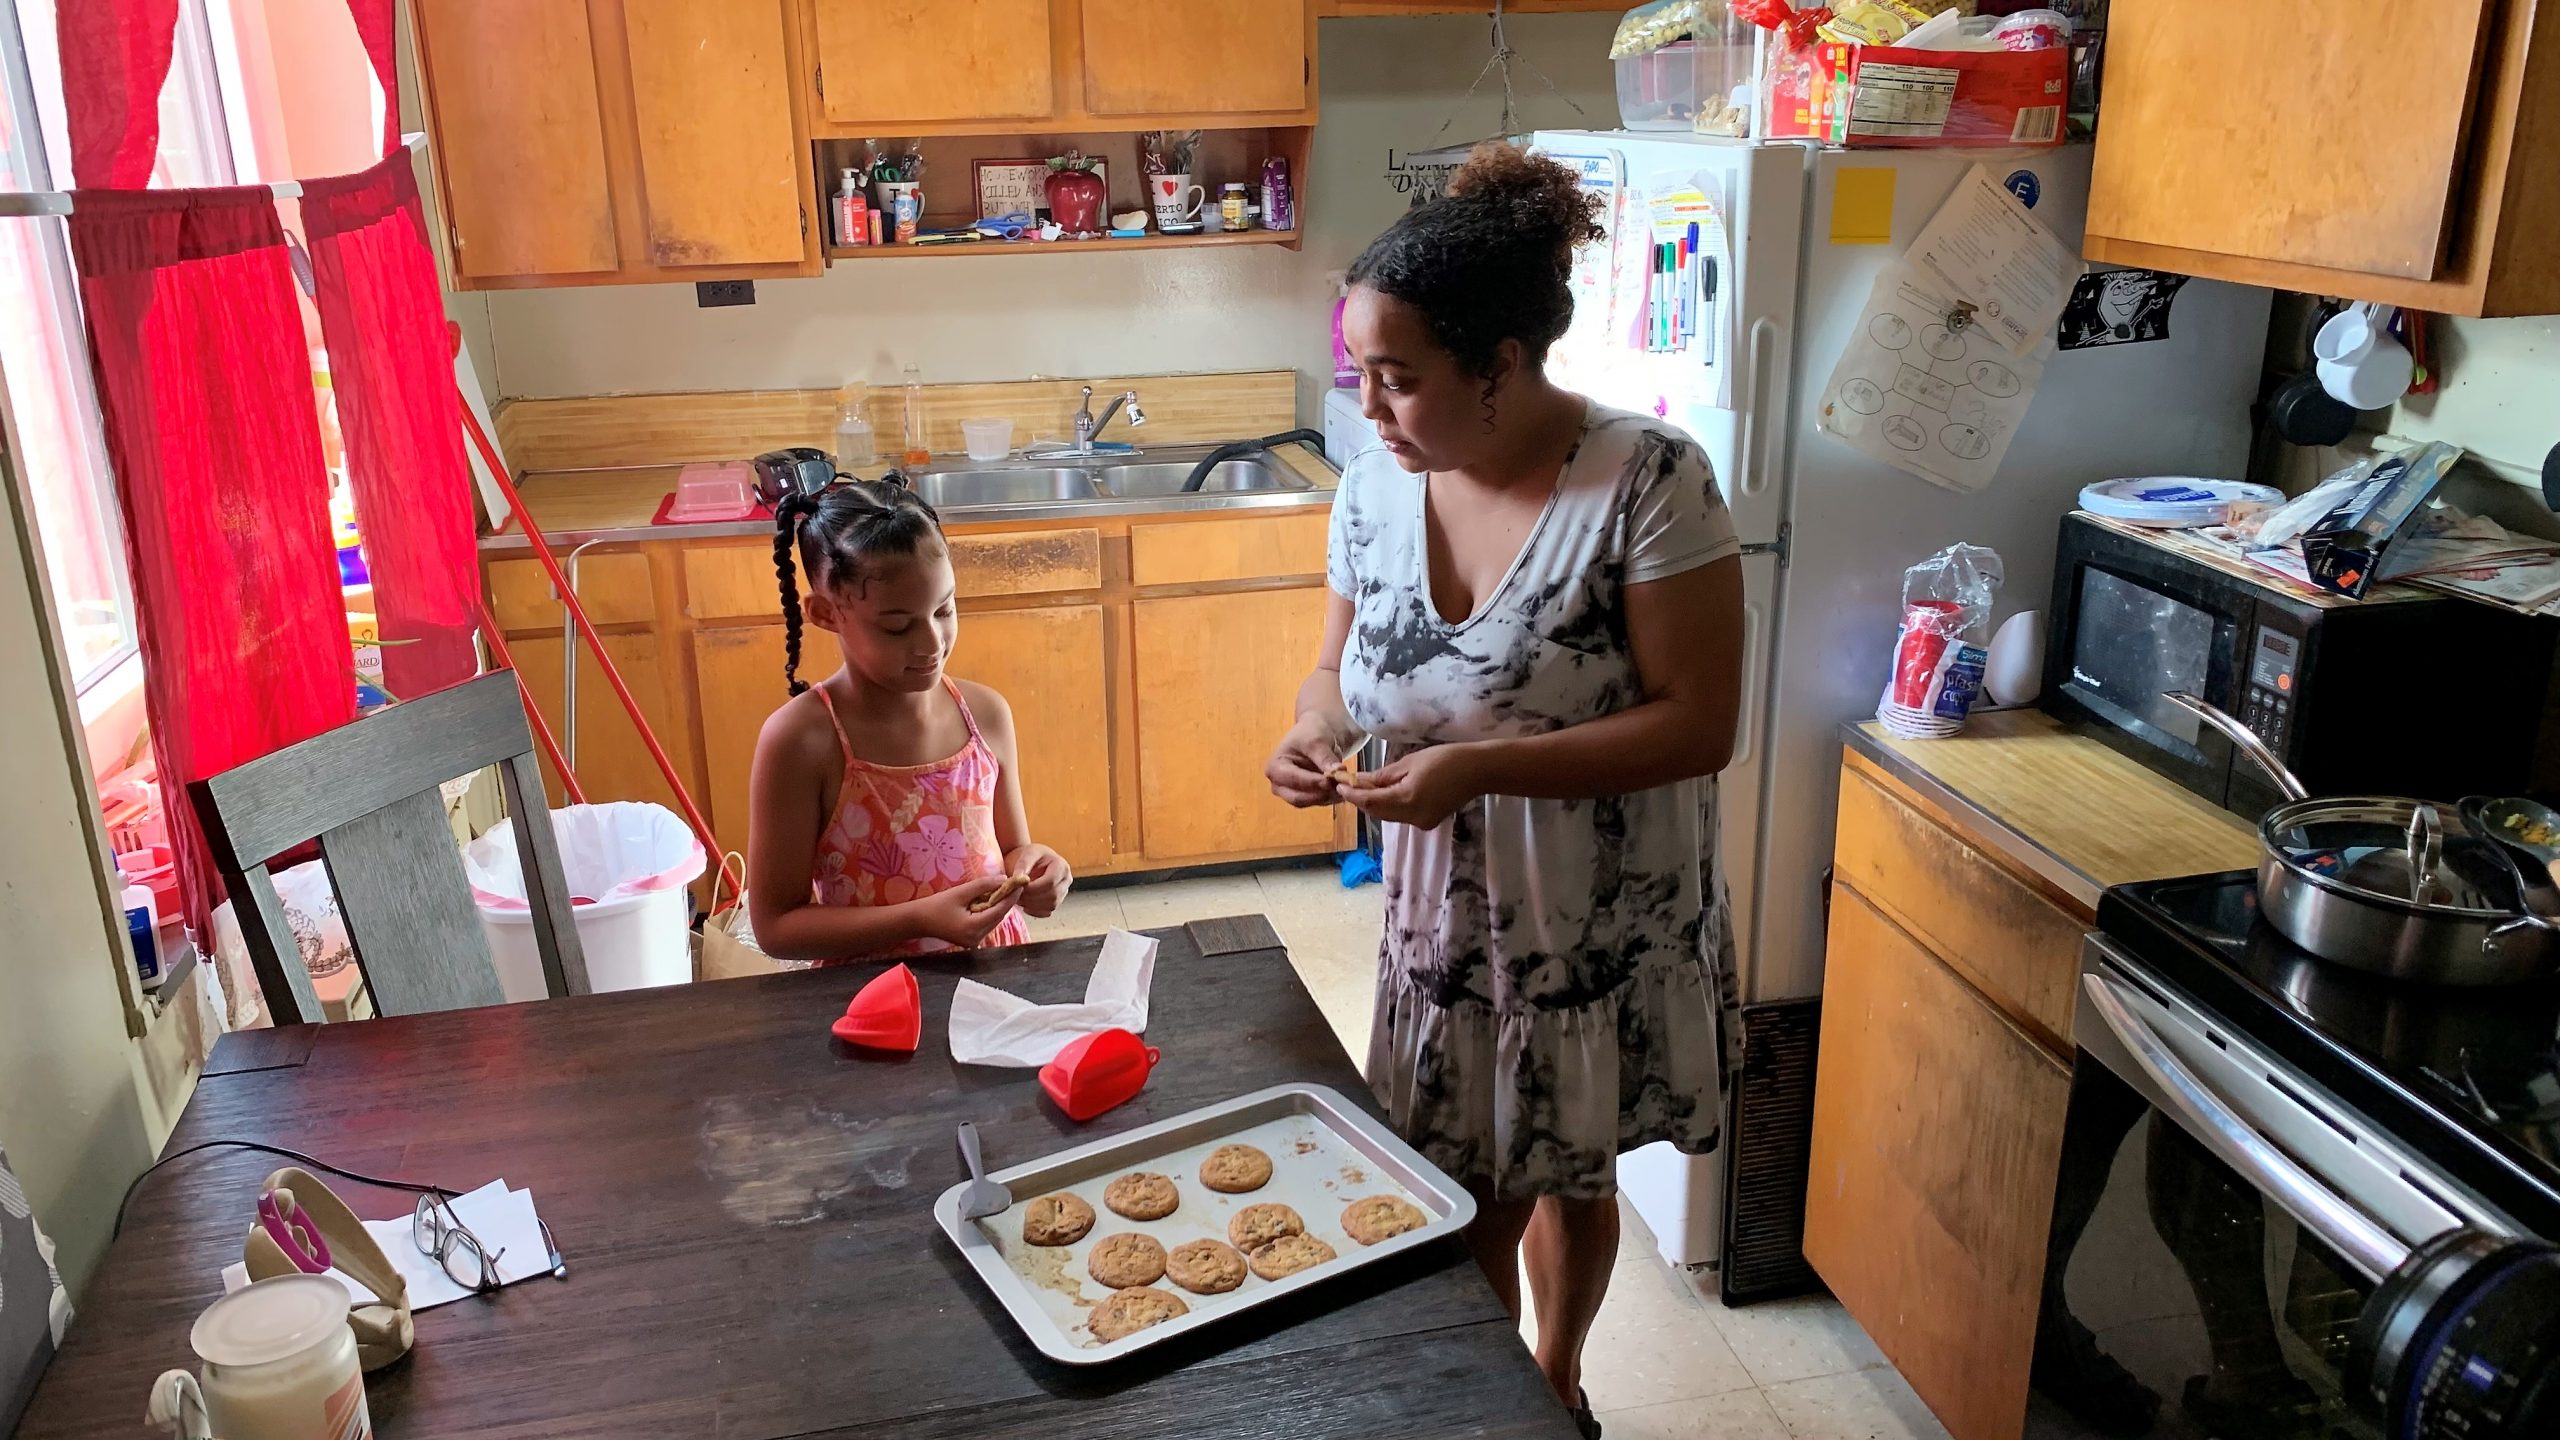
pixel 745 1207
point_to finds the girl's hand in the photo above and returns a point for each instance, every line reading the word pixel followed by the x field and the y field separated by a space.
pixel 1049 878
pixel 945 915
pixel 1421 790
pixel 1301 769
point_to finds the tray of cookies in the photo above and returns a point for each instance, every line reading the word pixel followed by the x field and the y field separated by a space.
pixel 1126 1242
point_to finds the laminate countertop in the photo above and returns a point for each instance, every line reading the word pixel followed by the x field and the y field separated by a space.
pixel 2073 811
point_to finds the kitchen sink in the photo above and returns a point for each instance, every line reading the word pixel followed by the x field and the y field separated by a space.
pixel 1021 486
pixel 1231 477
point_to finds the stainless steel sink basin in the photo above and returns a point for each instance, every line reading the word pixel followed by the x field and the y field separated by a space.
pixel 1025 486
pixel 1252 473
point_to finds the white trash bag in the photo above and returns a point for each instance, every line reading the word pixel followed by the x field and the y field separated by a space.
pixel 627 865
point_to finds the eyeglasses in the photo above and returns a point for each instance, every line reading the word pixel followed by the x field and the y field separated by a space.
pixel 441 1236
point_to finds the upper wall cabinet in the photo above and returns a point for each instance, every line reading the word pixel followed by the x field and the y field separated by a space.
pixel 1195 57
pixel 975 67
pixel 600 141
pixel 2391 156
pixel 954 60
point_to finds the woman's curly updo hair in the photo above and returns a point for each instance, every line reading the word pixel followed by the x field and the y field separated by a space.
pixel 1492 259
pixel 835 531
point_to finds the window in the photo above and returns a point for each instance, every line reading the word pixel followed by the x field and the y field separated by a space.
pixel 44 357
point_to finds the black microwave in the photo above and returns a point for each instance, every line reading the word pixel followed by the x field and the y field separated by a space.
pixel 2432 696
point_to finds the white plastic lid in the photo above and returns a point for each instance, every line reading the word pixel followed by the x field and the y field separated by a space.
pixel 269 1320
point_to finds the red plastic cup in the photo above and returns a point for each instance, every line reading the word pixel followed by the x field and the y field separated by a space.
pixel 1928 626
pixel 1098 1071
pixel 887 1014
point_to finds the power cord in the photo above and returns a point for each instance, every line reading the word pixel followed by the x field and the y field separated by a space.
pixel 442 1194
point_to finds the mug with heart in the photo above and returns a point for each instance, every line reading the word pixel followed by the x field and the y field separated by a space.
pixel 1177 201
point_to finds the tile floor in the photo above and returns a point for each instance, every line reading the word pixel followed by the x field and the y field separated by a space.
pixel 1667 1361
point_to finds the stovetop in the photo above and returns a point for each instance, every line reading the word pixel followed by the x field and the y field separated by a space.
pixel 2469 1078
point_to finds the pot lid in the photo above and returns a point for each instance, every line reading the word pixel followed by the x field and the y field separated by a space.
pixel 2360 845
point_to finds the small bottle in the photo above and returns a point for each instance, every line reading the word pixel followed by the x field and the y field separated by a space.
pixel 1231 203
pixel 918 452
pixel 853 212
pixel 1278 211
pixel 142 926
pixel 853 433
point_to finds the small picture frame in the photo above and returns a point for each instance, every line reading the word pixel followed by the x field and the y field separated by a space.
pixel 1005 186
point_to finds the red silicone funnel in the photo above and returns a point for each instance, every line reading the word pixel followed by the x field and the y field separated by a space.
pixel 887 1014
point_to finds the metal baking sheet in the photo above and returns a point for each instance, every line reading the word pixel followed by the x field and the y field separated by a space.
pixel 1325 1153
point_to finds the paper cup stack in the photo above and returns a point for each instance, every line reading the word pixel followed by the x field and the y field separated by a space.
pixel 1936 674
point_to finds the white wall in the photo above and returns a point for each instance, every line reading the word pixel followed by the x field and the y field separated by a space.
pixel 74 1115
pixel 2501 397
pixel 1387 84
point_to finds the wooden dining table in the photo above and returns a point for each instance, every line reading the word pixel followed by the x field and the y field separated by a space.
pixel 744 1205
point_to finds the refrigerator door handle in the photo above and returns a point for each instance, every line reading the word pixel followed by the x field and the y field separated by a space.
pixel 1777 546
pixel 1755 466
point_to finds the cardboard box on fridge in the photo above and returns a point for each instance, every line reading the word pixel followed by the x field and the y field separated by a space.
pixel 1884 96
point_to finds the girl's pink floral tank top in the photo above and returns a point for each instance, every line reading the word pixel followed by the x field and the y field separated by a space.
pixel 901 832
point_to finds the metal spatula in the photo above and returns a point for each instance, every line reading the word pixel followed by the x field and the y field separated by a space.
pixel 984 1197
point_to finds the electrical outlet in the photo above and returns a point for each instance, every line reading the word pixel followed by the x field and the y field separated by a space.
pixel 709 293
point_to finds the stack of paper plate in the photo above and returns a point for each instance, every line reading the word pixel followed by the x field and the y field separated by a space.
pixel 2172 502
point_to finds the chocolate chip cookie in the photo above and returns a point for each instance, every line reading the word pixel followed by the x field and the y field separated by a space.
pixel 1290 1254
pixel 1060 1219
pixel 1378 1217
pixel 1142 1195
pixel 1126 1259
pixel 1255 1226
pixel 1129 1311
pixel 1205 1267
pixel 1235 1169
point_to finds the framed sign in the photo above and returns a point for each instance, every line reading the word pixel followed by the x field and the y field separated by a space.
pixel 1007 186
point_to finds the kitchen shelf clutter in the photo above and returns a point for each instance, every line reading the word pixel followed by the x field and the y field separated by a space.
pixel 589 142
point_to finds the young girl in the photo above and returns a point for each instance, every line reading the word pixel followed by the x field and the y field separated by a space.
pixel 886 802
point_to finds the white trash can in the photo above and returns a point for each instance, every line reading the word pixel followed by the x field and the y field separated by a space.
pixel 627 865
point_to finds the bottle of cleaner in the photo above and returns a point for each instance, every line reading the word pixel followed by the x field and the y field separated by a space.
pixel 853 218
pixel 919 452
pixel 142 925
pixel 853 433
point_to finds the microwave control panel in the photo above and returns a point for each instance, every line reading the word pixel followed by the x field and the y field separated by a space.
pixel 2267 707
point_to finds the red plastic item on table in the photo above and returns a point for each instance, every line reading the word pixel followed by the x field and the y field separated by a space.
pixel 887 1014
pixel 1098 1071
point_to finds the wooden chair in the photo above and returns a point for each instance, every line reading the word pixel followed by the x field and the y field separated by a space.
pixel 368 793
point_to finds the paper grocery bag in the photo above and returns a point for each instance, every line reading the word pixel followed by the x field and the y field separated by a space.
pixel 728 947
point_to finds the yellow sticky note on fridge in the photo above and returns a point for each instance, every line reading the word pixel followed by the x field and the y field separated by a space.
pixel 1862 206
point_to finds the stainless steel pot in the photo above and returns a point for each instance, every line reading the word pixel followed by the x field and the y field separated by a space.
pixel 2365 881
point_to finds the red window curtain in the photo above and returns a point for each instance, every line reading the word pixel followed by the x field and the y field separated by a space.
pixel 383 321
pixel 373 26
pixel 215 441
pixel 115 56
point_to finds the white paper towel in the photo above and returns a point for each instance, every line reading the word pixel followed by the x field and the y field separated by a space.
pixel 991 1027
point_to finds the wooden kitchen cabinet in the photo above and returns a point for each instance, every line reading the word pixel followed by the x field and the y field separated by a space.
pixel 1049 666
pixel 1196 57
pixel 602 141
pixel 1937 1130
pixel 881 62
pixel 2390 152
pixel 1217 676
pixel 1965 874
pixel 611 762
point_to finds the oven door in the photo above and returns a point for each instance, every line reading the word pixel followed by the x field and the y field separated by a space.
pixel 2218 1228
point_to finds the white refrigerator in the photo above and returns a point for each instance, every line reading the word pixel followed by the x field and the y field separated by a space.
pixel 1828 531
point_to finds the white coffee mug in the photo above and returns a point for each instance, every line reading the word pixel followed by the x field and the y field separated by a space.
pixel 1177 201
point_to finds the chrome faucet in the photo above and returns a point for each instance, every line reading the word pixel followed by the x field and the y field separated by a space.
pixel 1087 426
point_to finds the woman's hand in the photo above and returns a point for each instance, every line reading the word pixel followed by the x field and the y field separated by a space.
pixel 1047 875
pixel 1301 770
pixel 1421 790
pixel 946 916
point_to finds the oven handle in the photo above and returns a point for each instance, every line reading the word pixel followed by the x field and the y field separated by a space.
pixel 2344 1228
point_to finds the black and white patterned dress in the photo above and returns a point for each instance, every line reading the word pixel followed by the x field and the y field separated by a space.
pixel 1556 977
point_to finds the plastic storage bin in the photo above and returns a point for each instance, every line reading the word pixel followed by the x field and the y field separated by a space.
pixel 627 865
pixel 1700 85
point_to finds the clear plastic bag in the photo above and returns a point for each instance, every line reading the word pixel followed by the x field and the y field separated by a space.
pixel 1938 657
pixel 1648 28
pixel 1962 575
